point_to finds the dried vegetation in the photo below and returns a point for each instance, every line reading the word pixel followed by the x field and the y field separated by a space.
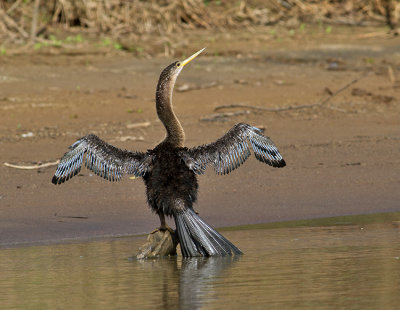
pixel 23 21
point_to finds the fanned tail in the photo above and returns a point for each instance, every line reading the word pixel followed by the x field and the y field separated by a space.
pixel 197 238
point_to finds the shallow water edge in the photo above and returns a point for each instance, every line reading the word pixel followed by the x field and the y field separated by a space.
pixel 352 263
pixel 359 219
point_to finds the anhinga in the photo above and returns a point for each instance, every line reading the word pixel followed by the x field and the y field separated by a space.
pixel 169 170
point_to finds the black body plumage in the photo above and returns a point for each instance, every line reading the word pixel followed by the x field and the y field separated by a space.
pixel 170 181
pixel 170 170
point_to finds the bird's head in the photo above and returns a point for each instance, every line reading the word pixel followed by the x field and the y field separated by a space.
pixel 171 72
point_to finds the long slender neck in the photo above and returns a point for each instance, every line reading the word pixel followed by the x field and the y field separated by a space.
pixel 175 133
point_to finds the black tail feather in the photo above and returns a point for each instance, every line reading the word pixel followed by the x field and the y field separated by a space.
pixel 197 238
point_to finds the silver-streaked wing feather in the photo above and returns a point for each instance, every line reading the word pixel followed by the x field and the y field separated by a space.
pixel 102 158
pixel 231 150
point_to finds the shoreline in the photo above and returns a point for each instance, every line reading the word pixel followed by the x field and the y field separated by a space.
pixel 344 220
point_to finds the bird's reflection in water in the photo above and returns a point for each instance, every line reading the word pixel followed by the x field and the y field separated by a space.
pixel 187 282
pixel 198 276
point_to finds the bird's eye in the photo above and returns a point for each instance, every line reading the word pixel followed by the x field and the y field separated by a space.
pixel 178 64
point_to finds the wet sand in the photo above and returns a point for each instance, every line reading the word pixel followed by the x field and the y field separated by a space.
pixel 342 158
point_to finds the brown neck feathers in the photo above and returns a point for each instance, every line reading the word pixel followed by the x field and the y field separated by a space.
pixel 175 133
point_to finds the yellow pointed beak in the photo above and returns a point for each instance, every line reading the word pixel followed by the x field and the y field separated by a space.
pixel 187 60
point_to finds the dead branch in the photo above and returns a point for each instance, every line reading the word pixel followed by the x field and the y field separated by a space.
pixel 34 20
pixel 138 125
pixel 128 138
pixel 11 25
pixel 392 77
pixel 297 107
pixel 222 116
pixel 187 87
pixel 32 166
pixel 14 6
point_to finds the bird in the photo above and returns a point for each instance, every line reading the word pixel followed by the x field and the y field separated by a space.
pixel 170 169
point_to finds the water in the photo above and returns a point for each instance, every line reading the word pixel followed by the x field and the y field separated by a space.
pixel 339 266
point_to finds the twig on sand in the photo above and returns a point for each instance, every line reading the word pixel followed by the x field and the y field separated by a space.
pixel 222 116
pixel 129 138
pixel 392 77
pixel 297 107
pixel 187 87
pixel 372 34
pixel 32 166
pixel 138 125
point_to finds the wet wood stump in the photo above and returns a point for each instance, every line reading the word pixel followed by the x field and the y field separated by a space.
pixel 159 244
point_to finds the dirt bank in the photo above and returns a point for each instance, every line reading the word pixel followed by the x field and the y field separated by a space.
pixel 343 156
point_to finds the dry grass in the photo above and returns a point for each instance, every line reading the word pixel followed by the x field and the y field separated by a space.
pixel 120 19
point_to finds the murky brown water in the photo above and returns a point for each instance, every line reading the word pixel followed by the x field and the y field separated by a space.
pixel 328 267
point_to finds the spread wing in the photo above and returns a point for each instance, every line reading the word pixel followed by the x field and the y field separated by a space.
pixel 231 150
pixel 102 158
